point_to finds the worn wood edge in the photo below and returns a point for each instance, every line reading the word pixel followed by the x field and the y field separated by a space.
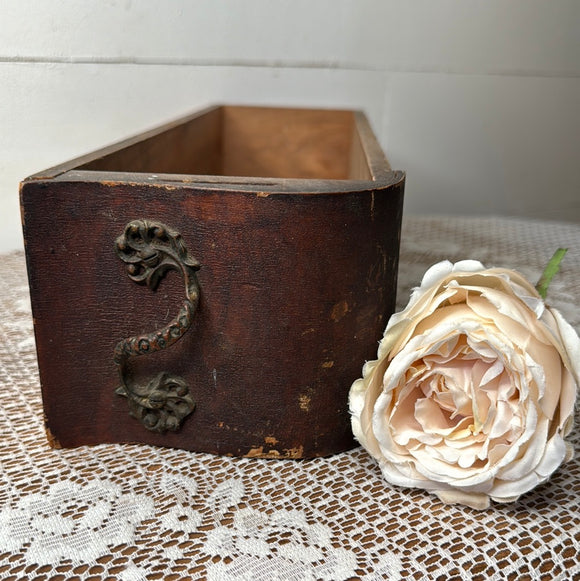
pixel 261 452
pixel 52 440
pixel 382 174
pixel 377 161
pixel 257 186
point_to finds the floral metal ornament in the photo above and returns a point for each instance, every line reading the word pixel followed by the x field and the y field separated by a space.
pixel 150 249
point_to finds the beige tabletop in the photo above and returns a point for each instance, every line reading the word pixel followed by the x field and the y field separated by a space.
pixel 135 512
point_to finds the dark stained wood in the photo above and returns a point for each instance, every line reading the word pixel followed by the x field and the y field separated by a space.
pixel 297 279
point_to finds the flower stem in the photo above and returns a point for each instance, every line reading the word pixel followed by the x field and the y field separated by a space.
pixel 550 271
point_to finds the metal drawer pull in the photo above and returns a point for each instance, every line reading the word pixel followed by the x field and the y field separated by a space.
pixel 150 249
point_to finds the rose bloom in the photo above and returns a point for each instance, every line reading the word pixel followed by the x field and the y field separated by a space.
pixel 473 391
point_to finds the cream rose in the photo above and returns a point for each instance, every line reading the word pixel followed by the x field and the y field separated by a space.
pixel 473 391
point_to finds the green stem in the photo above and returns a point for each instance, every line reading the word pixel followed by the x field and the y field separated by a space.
pixel 550 271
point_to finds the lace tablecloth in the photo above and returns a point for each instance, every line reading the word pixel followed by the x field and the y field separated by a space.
pixel 134 512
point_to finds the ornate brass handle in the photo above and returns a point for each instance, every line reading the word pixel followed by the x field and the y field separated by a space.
pixel 150 249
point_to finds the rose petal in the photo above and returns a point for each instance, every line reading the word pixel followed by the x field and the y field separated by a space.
pixel 468 266
pixel 554 454
pixel 389 448
pixel 497 451
pixel 495 370
pixel 510 490
pixel 430 417
pixel 567 342
pixel 362 397
pixel 567 400
pixel 439 471
pixel 502 420
pixel 436 274
pixel 403 474
pixel 473 500
pixel 466 460
pixel 531 448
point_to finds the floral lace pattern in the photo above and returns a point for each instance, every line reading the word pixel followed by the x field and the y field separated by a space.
pixel 73 522
pixel 138 513
pixel 256 539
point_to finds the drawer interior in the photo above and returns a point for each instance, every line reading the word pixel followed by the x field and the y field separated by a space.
pixel 259 142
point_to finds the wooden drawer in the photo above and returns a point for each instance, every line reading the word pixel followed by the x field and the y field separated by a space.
pixel 271 238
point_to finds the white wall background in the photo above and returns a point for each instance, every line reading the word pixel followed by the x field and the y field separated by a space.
pixel 478 100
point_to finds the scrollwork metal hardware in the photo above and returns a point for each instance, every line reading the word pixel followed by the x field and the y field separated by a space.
pixel 150 249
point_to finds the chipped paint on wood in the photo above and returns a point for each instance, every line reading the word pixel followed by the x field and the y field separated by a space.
pixel 259 452
pixel 294 452
pixel 339 310
pixel 304 402
pixel 52 439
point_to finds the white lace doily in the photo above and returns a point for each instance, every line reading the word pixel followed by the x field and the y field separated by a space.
pixel 137 513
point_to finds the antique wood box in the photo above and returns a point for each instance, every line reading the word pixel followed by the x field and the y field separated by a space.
pixel 215 284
